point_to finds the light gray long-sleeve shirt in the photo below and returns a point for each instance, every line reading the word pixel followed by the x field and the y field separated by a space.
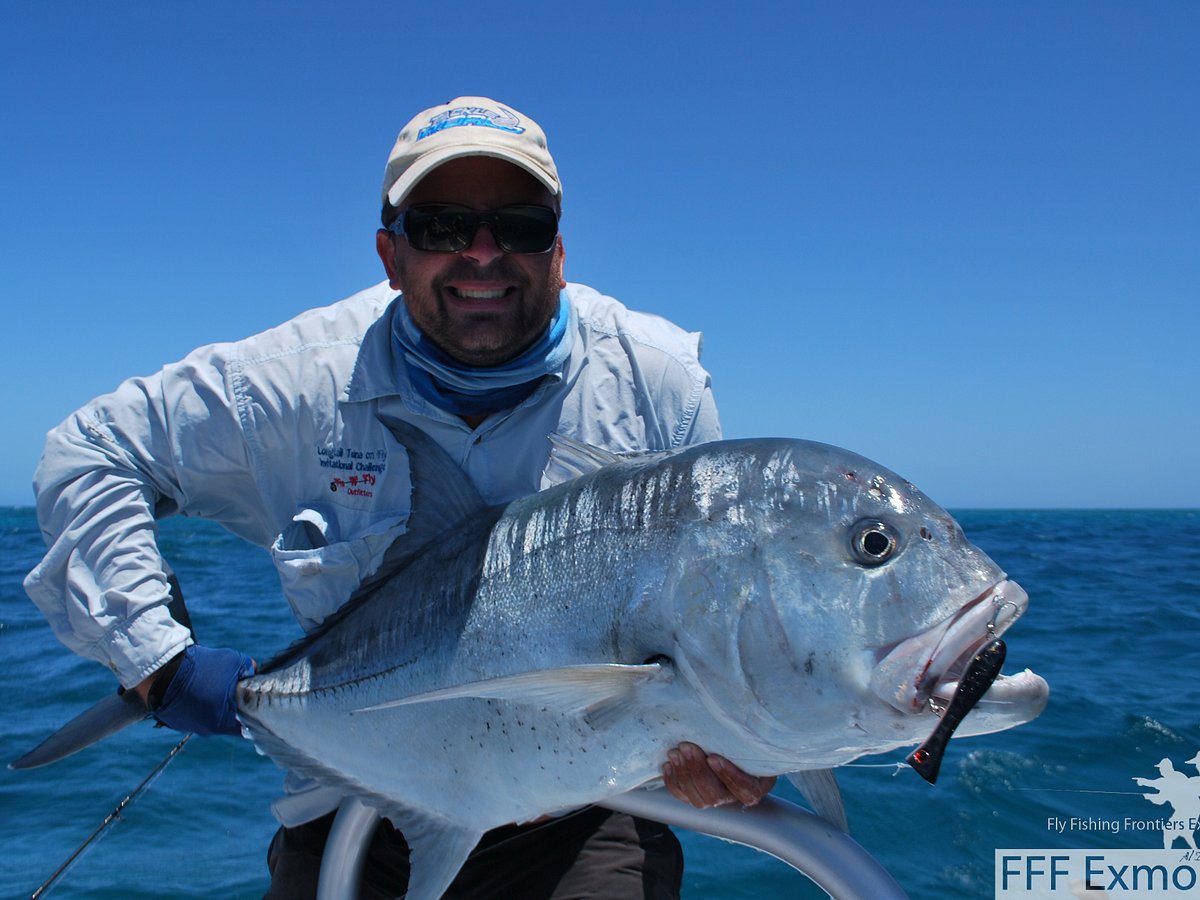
pixel 279 438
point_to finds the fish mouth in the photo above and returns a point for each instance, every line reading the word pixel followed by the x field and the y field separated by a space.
pixel 923 671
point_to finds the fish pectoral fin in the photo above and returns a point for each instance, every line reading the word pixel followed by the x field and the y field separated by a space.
pixel 437 850
pixel 577 690
pixel 821 791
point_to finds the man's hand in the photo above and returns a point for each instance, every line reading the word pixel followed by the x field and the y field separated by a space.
pixel 200 695
pixel 704 780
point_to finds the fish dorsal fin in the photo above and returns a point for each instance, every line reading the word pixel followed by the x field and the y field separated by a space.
pixel 442 495
pixel 570 458
pixel 820 789
pixel 573 690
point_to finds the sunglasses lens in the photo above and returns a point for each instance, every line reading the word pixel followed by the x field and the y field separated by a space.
pixel 525 229
pixel 441 228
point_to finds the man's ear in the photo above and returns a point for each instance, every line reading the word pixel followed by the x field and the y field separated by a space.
pixel 562 257
pixel 386 248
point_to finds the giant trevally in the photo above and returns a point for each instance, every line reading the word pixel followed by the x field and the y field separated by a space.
pixel 786 604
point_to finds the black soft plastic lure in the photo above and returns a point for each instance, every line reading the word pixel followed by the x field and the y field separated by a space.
pixel 980 674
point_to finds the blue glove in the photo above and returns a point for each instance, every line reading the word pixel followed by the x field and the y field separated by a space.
pixel 202 697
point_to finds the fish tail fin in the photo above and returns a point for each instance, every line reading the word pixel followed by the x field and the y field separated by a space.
pixel 112 714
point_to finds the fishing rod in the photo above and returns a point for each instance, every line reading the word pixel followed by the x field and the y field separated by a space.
pixel 109 820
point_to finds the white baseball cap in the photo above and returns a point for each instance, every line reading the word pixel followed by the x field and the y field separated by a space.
pixel 466 126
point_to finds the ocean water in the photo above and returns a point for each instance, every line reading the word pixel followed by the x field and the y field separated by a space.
pixel 1113 625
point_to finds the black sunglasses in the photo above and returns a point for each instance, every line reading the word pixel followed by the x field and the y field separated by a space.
pixel 447 228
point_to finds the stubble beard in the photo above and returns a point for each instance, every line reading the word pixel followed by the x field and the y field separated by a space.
pixel 485 338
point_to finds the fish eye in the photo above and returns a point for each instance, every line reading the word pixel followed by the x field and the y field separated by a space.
pixel 873 542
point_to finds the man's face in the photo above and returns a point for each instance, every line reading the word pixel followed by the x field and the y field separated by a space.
pixel 482 306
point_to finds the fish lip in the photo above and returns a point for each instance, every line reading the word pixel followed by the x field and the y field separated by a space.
pixel 1011 700
pixel 1005 689
pixel 928 665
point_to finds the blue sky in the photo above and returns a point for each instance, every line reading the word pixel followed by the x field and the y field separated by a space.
pixel 960 238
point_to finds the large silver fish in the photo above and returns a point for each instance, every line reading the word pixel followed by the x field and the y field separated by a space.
pixel 787 604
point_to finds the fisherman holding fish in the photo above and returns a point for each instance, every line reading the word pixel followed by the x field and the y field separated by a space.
pixel 476 339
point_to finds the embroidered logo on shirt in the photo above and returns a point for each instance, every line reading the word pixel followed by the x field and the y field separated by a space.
pixel 352 471
pixel 355 485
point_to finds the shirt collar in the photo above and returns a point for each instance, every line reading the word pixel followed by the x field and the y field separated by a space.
pixel 375 368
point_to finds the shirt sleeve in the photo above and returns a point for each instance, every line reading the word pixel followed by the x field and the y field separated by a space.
pixel 159 445
pixel 700 421
pixel 706 423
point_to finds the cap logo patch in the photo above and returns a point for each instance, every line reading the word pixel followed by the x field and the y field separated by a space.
pixel 504 120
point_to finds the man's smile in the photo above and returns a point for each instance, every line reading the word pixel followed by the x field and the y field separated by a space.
pixel 480 297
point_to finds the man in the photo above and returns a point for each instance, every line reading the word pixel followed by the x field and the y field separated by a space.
pixel 475 338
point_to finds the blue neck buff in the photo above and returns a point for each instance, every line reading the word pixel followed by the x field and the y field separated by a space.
pixel 470 390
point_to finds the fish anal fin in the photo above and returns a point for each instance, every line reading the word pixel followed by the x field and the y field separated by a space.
pixel 587 690
pixel 437 851
pixel 821 791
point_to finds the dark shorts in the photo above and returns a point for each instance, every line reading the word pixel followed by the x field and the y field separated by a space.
pixel 593 853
